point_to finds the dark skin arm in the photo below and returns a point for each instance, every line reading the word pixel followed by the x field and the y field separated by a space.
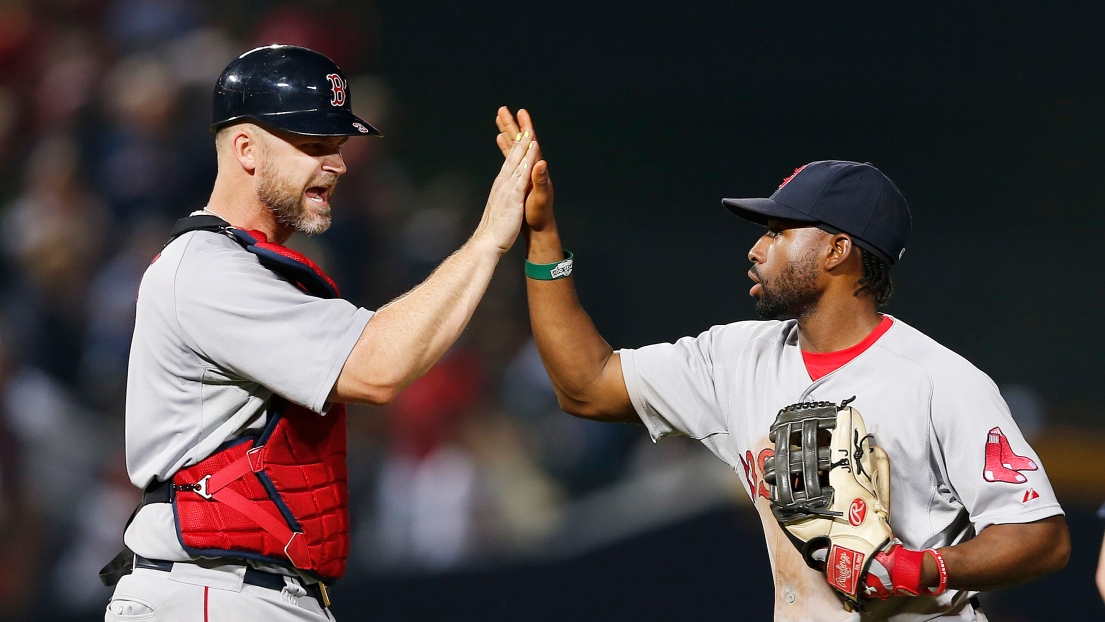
pixel 1100 577
pixel 585 371
pixel 1003 555
pixel 587 377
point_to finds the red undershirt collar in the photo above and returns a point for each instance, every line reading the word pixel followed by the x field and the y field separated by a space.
pixel 821 364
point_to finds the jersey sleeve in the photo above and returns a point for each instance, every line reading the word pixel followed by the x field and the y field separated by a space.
pixel 982 454
pixel 244 319
pixel 677 388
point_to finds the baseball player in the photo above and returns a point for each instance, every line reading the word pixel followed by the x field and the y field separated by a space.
pixel 970 503
pixel 244 355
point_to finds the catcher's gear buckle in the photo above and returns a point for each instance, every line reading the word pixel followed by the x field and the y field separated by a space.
pixel 200 487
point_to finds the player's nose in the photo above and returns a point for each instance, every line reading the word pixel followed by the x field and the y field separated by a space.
pixel 334 163
pixel 755 254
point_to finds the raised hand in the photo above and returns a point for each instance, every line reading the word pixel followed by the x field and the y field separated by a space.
pixel 509 128
pixel 539 200
pixel 502 216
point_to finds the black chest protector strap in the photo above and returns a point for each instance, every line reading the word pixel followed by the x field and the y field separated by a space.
pixel 291 265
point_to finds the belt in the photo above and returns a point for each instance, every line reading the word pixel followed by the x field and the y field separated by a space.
pixel 253 576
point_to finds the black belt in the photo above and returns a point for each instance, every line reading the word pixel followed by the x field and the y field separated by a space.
pixel 253 576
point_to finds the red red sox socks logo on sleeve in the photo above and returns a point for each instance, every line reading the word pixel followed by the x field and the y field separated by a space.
pixel 1002 465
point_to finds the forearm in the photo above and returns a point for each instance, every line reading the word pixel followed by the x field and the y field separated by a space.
pixel 1003 555
pixel 1101 571
pixel 408 335
pixel 584 370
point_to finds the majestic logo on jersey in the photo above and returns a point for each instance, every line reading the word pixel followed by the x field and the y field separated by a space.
pixel 1029 495
pixel 337 89
pixel 844 568
pixel 1002 465
pixel 857 512
pixel 787 180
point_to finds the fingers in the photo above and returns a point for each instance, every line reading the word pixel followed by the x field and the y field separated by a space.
pixel 504 142
pixel 540 178
pixel 506 123
pixel 532 155
pixel 539 200
pixel 525 169
pixel 541 184
pixel 525 122
pixel 508 130
pixel 519 146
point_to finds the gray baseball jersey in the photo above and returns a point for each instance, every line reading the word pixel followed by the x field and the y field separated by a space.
pixel 941 420
pixel 216 335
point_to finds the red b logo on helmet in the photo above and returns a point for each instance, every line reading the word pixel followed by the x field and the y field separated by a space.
pixel 337 89
pixel 857 512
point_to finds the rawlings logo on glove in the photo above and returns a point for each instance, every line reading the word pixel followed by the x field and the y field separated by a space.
pixel 830 492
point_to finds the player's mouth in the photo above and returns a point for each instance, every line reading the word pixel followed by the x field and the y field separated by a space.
pixel 757 288
pixel 319 194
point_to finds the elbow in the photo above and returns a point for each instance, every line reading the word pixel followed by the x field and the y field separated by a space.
pixel 579 404
pixel 577 408
pixel 575 405
pixel 1062 553
pixel 1057 553
pixel 384 390
pixel 357 391
pixel 381 395
pixel 594 410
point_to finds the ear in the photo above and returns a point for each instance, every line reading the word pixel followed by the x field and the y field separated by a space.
pixel 245 145
pixel 840 251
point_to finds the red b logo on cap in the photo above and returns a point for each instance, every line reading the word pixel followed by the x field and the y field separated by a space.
pixel 337 89
pixel 857 512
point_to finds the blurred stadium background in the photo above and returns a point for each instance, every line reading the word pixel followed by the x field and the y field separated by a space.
pixel 474 498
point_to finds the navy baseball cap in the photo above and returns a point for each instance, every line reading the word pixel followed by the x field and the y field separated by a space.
pixel 839 197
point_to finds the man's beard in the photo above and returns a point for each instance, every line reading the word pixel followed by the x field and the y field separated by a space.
pixel 791 294
pixel 286 201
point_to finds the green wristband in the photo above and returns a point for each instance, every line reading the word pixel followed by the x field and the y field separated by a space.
pixel 551 271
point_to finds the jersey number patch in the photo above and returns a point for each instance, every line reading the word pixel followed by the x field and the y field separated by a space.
pixel 754 473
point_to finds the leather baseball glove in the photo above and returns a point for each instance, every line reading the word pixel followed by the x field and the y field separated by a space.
pixel 830 492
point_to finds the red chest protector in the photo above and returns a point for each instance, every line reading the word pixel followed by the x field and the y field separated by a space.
pixel 280 497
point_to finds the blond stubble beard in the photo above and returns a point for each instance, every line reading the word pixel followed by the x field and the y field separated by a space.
pixel 286 201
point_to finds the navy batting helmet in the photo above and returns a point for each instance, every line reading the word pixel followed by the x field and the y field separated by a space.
pixel 289 88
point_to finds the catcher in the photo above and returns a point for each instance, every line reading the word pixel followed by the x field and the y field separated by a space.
pixel 905 511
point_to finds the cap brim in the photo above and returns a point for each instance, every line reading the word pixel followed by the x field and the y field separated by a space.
pixel 759 210
pixel 338 122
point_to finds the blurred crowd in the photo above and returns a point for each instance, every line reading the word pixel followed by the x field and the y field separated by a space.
pixel 104 108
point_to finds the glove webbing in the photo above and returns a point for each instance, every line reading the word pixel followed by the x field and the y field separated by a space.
pixel 806 421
